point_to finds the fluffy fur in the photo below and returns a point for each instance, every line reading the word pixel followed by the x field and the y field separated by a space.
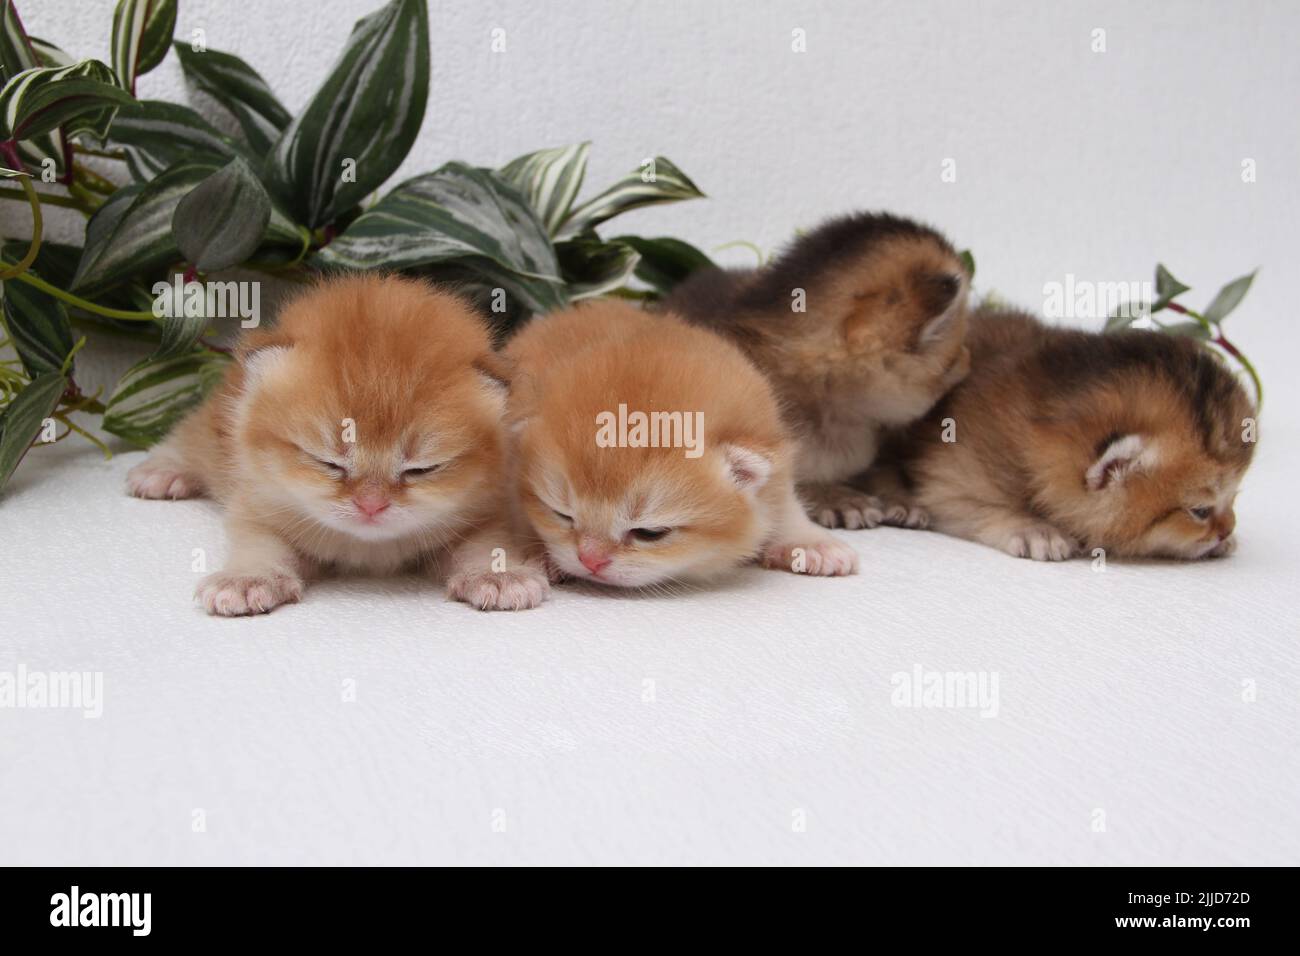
pixel 642 516
pixel 1067 440
pixel 363 432
pixel 880 341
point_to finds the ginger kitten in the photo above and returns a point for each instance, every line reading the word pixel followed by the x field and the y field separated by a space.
pixel 596 388
pixel 363 432
pixel 859 326
pixel 1067 440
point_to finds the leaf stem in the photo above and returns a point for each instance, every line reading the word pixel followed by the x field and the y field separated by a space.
pixel 81 303
pixel 25 263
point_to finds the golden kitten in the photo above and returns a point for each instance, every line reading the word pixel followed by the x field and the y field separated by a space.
pixel 859 326
pixel 651 451
pixel 363 432
pixel 1059 440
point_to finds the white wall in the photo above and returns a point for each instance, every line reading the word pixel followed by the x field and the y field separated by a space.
pixel 1068 161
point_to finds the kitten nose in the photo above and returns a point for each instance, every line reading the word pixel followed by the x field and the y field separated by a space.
pixel 592 559
pixel 1225 523
pixel 370 504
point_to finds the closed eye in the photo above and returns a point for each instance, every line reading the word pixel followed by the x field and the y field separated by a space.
pixel 650 534
pixel 421 471
pixel 562 516
pixel 333 468
pixel 1201 514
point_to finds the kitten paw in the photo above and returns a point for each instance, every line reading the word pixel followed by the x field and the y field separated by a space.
pixel 229 594
pixel 842 506
pixel 901 515
pixel 1039 542
pixel 159 479
pixel 515 590
pixel 827 557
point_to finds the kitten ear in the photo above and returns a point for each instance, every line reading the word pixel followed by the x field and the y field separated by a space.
pixel 944 295
pixel 258 361
pixel 1121 457
pixel 746 468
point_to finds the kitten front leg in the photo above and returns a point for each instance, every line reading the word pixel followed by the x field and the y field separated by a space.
pixel 261 573
pixel 163 475
pixel 481 577
pixel 799 546
pixel 1019 535
pixel 839 505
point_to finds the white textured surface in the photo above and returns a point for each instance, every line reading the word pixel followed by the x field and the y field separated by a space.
pixel 1119 691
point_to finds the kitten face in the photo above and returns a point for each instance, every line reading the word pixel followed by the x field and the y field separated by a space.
pixel 1162 497
pixel 385 438
pixel 651 517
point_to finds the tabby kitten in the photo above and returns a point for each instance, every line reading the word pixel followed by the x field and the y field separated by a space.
pixel 616 499
pixel 859 326
pixel 1061 440
pixel 363 432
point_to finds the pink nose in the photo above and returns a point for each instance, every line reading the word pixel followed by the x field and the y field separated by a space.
pixel 371 505
pixel 593 561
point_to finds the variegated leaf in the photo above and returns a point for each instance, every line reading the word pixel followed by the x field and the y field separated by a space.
pixel 457 212
pixel 22 418
pixel 156 392
pixel 360 124
pixel 240 89
pixel 664 261
pixel 142 31
pixel 549 179
pixel 222 220
pixel 657 181
pixel 19 52
pixel 79 98
pixel 592 267
pixel 157 134
pixel 38 325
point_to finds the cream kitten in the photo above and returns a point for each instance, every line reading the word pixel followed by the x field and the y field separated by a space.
pixel 363 432
pixel 859 327
pixel 595 388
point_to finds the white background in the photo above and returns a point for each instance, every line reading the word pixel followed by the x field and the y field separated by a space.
pixel 1120 692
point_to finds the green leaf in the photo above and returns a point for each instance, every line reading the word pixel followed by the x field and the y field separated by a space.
pixel 665 261
pixel 47 54
pixel 1119 321
pixel 221 221
pixel 968 262
pixel 142 30
pixel 134 234
pixel 156 135
pixel 592 267
pixel 456 213
pixel 241 90
pixel 38 324
pixel 156 392
pixel 549 179
pixel 79 98
pixel 1167 288
pixel 657 181
pixel 22 419
pixel 131 234
pixel 19 52
pixel 361 122
pixel 1229 298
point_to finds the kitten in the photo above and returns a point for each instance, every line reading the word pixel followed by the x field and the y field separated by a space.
pixel 859 326
pixel 716 492
pixel 1065 440
pixel 363 432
